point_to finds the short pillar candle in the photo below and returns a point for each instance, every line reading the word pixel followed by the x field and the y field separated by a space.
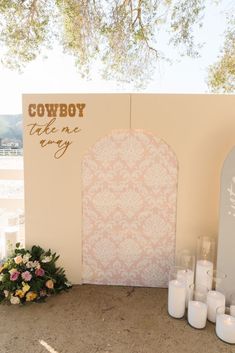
pixel 215 300
pixel 225 326
pixel 197 314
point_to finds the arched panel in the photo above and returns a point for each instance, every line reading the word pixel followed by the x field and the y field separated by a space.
pixel 129 210
pixel 226 240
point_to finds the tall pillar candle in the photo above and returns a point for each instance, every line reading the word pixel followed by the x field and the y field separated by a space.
pixel 176 298
pixel 203 268
pixel 214 301
pixel 200 293
pixel 11 235
pixel 186 276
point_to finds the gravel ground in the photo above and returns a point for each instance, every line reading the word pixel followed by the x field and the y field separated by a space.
pixel 107 319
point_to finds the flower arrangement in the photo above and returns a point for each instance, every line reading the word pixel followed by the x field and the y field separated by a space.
pixel 31 276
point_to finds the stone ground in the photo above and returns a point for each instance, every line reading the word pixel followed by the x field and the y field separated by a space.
pixel 100 319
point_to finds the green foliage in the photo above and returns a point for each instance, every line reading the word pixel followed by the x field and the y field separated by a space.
pixel 125 36
pixel 222 74
pixel 128 51
pixel 44 278
pixel 81 23
pixel 24 28
pixel 185 14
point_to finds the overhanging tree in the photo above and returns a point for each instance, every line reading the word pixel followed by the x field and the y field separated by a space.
pixel 222 73
pixel 126 36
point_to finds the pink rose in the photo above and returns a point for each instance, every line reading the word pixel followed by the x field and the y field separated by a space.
pixel 39 272
pixel 14 275
pixel 26 276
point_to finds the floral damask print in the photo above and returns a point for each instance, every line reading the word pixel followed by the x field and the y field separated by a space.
pixel 129 210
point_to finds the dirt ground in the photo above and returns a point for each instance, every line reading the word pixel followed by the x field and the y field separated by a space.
pixel 103 319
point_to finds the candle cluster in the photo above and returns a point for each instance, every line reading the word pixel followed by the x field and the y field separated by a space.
pixel 11 230
pixel 203 298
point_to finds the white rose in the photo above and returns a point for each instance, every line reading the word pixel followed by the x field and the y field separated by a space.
pixel 26 258
pixel 6 293
pixel 36 264
pixel 18 259
pixel 47 259
pixel 15 300
pixel 29 264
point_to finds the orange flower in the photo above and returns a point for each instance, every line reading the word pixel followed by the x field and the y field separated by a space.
pixel 20 293
pixel 30 296
pixel 50 284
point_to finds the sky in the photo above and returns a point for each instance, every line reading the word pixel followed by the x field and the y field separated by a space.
pixel 57 73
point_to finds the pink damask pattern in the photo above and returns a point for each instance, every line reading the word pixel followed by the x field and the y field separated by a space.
pixel 129 210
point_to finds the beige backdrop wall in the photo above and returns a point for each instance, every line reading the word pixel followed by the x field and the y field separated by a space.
pixel 199 128
pixel 53 187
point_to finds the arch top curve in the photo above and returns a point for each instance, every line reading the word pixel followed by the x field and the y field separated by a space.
pixel 129 209
pixel 119 135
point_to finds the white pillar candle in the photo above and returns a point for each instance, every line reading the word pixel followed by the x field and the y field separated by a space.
pixel 12 220
pixel 202 276
pixel 1 247
pixel 176 299
pixel 197 314
pixel 232 310
pixel 214 300
pixel 225 328
pixel 186 276
pixel 200 294
pixel 11 234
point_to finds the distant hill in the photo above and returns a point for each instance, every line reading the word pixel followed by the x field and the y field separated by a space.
pixel 11 126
